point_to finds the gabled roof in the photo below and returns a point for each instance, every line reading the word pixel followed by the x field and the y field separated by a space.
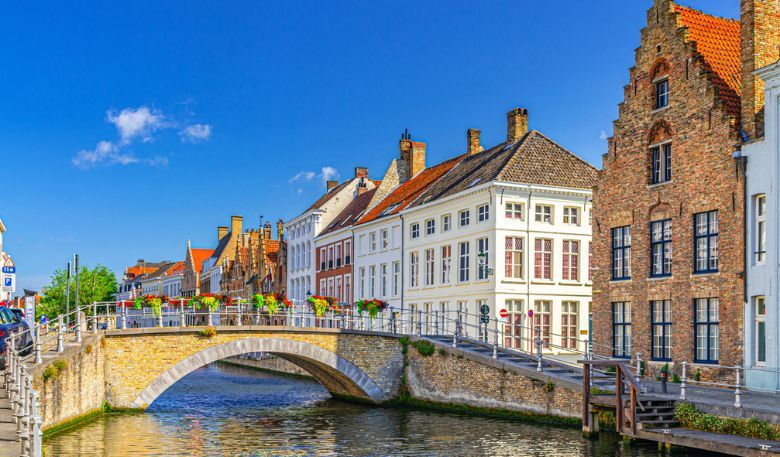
pixel 328 195
pixel 534 159
pixel 159 272
pixel 272 250
pixel 198 256
pixel 404 194
pixel 221 245
pixel 177 268
pixel 351 213
pixel 718 41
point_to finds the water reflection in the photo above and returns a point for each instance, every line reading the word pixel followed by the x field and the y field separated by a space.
pixel 227 411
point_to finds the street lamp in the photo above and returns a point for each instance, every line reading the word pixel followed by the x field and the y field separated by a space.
pixel 483 264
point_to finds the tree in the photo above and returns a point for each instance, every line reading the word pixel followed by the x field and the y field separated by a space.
pixel 95 285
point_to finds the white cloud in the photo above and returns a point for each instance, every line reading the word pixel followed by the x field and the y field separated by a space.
pixel 195 133
pixel 328 173
pixel 108 153
pixel 603 136
pixel 299 191
pixel 302 176
pixel 139 122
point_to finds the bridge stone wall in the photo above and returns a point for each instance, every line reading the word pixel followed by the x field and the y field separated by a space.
pixel 458 378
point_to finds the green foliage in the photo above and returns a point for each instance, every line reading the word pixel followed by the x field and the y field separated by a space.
pixel 549 386
pixel 642 368
pixel 53 371
pixel 442 352
pixel 610 370
pixel 211 303
pixel 404 340
pixel 95 285
pixel 208 332
pixel 424 347
pixel 676 378
pixel 690 417
pixel 697 376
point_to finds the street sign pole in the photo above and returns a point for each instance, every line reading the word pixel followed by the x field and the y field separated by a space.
pixel 67 296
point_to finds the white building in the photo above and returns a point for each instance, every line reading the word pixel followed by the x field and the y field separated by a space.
pixel 301 231
pixel 171 281
pixel 762 319
pixel 508 227
pixel 378 234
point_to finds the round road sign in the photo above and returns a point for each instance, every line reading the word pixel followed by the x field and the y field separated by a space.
pixel 503 313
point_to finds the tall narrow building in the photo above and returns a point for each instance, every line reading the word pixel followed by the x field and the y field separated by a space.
pixel 668 228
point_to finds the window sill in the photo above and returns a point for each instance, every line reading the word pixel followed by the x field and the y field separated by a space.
pixel 704 274
pixel 659 184
pixel 570 283
pixel 619 280
pixel 659 278
pixel 543 281
pixel 713 364
pixel 660 110
pixel 513 281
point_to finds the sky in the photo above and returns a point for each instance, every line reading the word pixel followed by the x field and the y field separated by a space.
pixel 128 128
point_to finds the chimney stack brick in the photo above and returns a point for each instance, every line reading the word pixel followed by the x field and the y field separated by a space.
pixel 361 172
pixel 221 232
pixel 516 124
pixel 473 145
pixel 332 184
pixel 412 155
pixel 236 223
pixel 760 36
pixel 280 229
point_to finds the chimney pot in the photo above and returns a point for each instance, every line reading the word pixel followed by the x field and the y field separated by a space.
pixel 472 141
pixel 516 124
pixel 361 172
pixel 221 232
pixel 332 184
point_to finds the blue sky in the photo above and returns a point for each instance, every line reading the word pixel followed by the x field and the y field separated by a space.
pixel 127 128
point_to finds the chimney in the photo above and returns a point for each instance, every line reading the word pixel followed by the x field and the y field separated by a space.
pixel 235 225
pixel 516 124
pixel 362 188
pixel 221 232
pixel 332 184
pixel 361 172
pixel 280 229
pixel 472 141
pixel 412 153
pixel 760 35
pixel 267 231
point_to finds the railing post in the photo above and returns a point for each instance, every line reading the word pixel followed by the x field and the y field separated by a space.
pixel 238 314
pixel 538 332
pixel 60 336
pixel 94 317
pixel 618 398
pixel 21 403
pixel 738 391
pixel 123 317
pixel 455 333
pixel 209 319
pixel 182 314
pixel 37 435
pixel 495 338
pixel 683 383
pixel 419 322
pixel 38 344
pixel 78 324
pixel 639 369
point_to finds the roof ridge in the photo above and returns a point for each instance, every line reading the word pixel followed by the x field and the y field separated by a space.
pixel 689 8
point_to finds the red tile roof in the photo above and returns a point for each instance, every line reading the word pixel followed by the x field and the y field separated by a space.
pixel 271 251
pixel 176 269
pixel 198 256
pixel 718 41
pixel 408 191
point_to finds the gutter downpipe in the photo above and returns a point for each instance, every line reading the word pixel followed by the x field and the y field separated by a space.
pixel 403 262
pixel 528 261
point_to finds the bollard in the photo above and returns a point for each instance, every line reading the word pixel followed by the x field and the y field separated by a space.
pixel 182 314
pixel 94 317
pixel 455 333
pixel 238 314
pixel 495 338
pixel 683 383
pixel 209 319
pixel 738 392
pixel 123 317
pixel 60 336
pixel 21 404
pixel 419 323
pixel 38 344
pixel 538 349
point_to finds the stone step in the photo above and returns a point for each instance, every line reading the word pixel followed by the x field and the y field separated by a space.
pixel 8 432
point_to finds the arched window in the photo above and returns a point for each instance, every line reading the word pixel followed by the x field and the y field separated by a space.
pixel 660 154
pixel 660 79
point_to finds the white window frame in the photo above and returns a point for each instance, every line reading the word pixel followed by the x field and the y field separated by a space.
pixel 414 230
pixel 540 214
pixel 514 211
pixel 464 218
pixel 430 267
pixel 571 215
pixel 760 228
pixel 446 223
pixel 430 227
pixel 483 213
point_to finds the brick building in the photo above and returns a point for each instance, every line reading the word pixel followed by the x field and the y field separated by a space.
pixel 670 204
pixel 254 265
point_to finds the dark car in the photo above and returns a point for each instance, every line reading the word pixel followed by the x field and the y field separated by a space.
pixel 10 324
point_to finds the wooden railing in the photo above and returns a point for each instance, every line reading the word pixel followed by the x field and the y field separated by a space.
pixel 623 379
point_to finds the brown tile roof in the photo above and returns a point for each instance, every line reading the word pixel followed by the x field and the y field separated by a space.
pixel 408 191
pixel 160 271
pixel 271 250
pixel 198 256
pixel 718 41
pixel 176 269
pixel 351 213
pixel 534 159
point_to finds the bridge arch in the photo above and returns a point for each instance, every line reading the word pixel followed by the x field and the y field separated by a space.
pixel 336 373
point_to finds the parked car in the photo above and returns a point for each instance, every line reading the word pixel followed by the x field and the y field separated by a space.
pixel 12 323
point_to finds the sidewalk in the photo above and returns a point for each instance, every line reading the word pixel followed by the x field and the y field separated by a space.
pixel 761 405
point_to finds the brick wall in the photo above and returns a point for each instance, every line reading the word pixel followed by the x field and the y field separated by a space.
pixel 704 178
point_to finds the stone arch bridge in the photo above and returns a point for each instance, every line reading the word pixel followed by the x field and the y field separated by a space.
pixel 130 368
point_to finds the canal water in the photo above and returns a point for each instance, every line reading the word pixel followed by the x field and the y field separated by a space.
pixel 221 410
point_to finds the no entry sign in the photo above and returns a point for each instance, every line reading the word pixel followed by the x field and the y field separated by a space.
pixel 502 312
